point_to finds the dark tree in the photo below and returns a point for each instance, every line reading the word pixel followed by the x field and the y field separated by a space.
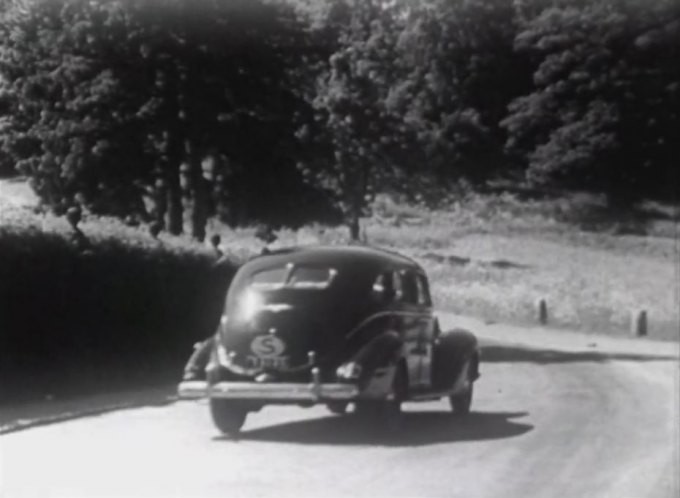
pixel 351 133
pixel 604 108
pixel 461 71
pixel 121 105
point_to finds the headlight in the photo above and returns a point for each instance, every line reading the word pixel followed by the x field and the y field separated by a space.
pixel 349 371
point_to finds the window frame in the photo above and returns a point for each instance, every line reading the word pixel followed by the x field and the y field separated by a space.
pixel 287 283
pixel 408 279
pixel 424 295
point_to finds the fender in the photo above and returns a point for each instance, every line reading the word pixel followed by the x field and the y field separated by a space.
pixel 453 349
pixel 382 351
pixel 378 359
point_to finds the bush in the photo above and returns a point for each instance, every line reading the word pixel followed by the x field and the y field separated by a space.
pixel 108 308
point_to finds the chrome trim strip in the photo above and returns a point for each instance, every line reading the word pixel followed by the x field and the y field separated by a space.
pixel 380 314
pixel 192 389
pixel 273 391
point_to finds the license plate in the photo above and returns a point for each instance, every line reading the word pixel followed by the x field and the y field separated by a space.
pixel 276 362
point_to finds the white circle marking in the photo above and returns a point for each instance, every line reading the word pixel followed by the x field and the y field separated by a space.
pixel 267 346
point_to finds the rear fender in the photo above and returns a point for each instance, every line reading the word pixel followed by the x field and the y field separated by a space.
pixel 456 357
pixel 381 351
pixel 378 360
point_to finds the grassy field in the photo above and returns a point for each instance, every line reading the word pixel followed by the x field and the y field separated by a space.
pixel 495 256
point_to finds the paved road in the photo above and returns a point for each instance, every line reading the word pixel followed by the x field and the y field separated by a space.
pixel 570 416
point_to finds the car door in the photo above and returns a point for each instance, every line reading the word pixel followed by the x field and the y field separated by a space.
pixel 407 324
pixel 416 322
pixel 427 328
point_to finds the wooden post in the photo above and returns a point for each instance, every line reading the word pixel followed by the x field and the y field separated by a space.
pixel 542 312
pixel 638 323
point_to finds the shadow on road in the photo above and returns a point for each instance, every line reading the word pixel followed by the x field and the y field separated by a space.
pixel 509 354
pixel 417 429
pixel 28 415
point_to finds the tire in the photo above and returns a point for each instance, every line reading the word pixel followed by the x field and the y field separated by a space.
pixel 337 407
pixel 461 402
pixel 387 411
pixel 227 416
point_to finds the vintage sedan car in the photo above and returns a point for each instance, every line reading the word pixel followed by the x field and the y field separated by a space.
pixel 335 325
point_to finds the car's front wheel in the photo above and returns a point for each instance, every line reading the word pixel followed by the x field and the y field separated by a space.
pixel 227 416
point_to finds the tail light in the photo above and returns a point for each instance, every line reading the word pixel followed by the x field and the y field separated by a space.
pixel 349 371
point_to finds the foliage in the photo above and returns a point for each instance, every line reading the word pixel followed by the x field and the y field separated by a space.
pixel 460 73
pixel 604 106
pixel 125 300
pixel 175 111
pixel 71 111
pixel 183 104
pixel 351 131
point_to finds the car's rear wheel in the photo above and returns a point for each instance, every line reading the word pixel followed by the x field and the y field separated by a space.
pixel 227 416
pixel 461 402
pixel 337 407
pixel 386 411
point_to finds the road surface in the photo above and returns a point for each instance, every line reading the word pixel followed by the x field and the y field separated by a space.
pixel 555 415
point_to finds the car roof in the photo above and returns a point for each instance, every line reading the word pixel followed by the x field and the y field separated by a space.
pixel 334 256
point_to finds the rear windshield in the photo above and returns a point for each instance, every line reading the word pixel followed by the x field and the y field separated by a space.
pixel 274 277
pixel 296 277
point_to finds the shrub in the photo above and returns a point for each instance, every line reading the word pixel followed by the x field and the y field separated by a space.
pixel 69 307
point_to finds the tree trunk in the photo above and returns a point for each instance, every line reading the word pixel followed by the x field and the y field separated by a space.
pixel 160 199
pixel 356 189
pixel 198 192
pixel 175 210
pixel 354 226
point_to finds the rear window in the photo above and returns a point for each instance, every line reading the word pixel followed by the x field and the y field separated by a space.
pixel 383 288
pixel 307 277
pixel 296 277
pixel 269 279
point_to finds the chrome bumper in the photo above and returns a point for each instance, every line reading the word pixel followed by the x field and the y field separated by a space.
pixel 267 391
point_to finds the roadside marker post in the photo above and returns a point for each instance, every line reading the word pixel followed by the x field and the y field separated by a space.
pixel 542 312
pixel 639 323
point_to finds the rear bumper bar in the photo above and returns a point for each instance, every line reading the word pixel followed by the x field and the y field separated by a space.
pixel 268 391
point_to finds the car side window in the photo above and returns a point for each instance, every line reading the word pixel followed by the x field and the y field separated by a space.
pixel 410 288
pixel 383 288
pixel 424 297
pixel 398 286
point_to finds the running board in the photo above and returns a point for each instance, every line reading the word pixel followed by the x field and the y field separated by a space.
pixel 431 396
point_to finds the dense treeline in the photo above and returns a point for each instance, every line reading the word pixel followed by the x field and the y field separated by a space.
pixel 174 111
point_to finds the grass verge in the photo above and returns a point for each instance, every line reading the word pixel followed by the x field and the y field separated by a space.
pixel 494 256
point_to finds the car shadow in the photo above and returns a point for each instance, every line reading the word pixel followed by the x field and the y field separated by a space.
pixel 497 353
pixel 415 429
